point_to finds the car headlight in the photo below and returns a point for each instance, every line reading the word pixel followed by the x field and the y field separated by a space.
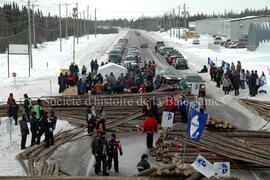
pixel 168 78
pixel 179 78
pixel 189 86
pixel 203 86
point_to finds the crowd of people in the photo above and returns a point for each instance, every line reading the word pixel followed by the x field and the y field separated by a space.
pixel 136 80
pixel 234 78
pixel 41 122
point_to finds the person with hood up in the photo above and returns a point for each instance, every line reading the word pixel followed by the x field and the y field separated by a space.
pixel 114 148
pixel 150 126
pixel 24 131
pixel 101 153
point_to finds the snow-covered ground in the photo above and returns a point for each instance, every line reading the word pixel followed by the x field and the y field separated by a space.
pixel 10 148
pixel 197 56
pixel 47 62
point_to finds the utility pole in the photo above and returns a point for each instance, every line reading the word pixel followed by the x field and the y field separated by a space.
pixel 185 17
pixel 84 24
pixel 179 21
pixel 75 15
pixel 66 18
pixel 77 24
pixel 95 22
pixel 34 28
pixel 60 27
pixel 30 39
pixel 88 23
pixel 173 22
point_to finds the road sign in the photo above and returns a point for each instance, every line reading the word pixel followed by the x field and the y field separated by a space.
pixel 222 169
pixel 14 74
pixel 167 119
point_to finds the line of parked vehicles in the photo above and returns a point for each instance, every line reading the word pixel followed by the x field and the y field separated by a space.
pixel 178 61
pixel 233 44
pixel 116 54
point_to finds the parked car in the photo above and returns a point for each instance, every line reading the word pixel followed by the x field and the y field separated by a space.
pixel 196 41
pixel 170 76
pixel 160 48
pixel 120 46
pixel 173 57
pixel 218 40
pixel 160 43
pixel 169 54
pixel 135 54
pixel 223 43
pixel 227 45
pixel 144 45
pixel 115 58
pixel 239 45
pixel 123 41
pixel 165 49
pixel 193 78
pixel 133 49
pixel 180 63
pixel 130 61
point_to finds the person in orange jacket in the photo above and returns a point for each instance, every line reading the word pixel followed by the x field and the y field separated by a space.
pixel 99 88
pixel 150 126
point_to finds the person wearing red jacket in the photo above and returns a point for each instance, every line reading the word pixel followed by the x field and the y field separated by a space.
pixel 170 104
pixel 114 148
pixel 10 99
pixel 150 126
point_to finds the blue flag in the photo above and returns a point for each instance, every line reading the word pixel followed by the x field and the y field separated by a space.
pixel 262 80
pixel 210 62
pixel 225 65
pixel 196 124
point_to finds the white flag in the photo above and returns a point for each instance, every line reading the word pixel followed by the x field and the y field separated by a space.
pixel 195 88
pixel 204 167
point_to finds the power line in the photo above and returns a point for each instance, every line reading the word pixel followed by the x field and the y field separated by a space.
pixel 14 25
pixel 15 35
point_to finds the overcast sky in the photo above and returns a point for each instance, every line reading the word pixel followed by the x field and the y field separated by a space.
pixel 136 8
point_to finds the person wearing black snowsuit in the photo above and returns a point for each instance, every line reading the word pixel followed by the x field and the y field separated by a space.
pixel 236 83
pixel 90 119
pixel 13 109
pixel 44 129
pixel 72 70
pixel 27 107
pixel 114 148
pixel 92 65
pixel 51 125
pixel 143 164
pixel 218 77
pixel 102 151
pixel 24 131
pixel 34 128
pixel 253 84
pixel 62 82
pixel 148 107
pixel 155 112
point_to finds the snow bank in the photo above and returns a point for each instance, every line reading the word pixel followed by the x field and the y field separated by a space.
pixel 9 149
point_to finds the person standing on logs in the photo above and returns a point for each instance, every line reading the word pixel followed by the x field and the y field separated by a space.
pixel 114 148
pixel 24 131
pixel 183 104
pixel 13 109
pixel 101 153
pixel 90 119
pixel 44 128
pixel 102 119
pixel 34 128
pixel 148 107
pixel 27 106
pixel 150 126
pixel 51 125
pixel 143 164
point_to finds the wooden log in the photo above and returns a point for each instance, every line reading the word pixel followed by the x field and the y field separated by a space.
pixel 147 171
pixel 56 169
pixel 196 176
pixel 24 166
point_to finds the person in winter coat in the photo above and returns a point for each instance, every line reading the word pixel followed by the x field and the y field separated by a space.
pixel 232 67
pixel 213 72
pixel 101 153
pixel 114 148
pixel 92 65
pixel 39 109
pixel 51 125
pixel 242 79
pixel 62 82
pixel 183 105
pixel 72 70
pixel 218 77
pixel 13 109
pixel 170 104
pixel 236 83
pixel 84 70
pixel 150 126
pixel 91 124
pixel 24 131
pixel 148 107
pixel 143 164
pixel 99 88
pixel 102 119
pixel 238 67
pixel 247 77
pixel 44 129
pixel 27 106
pixel 204 69
pixel 34 127
pixel 226 85
pixel 10 98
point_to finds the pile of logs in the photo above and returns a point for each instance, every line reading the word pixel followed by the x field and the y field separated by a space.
pixel 244 149
pixel 218 124
pixel 174 170
pixel 260 108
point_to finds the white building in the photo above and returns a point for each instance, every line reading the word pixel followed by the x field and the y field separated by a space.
pixel 230 28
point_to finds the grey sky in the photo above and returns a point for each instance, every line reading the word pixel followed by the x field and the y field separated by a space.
pixel 136 8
